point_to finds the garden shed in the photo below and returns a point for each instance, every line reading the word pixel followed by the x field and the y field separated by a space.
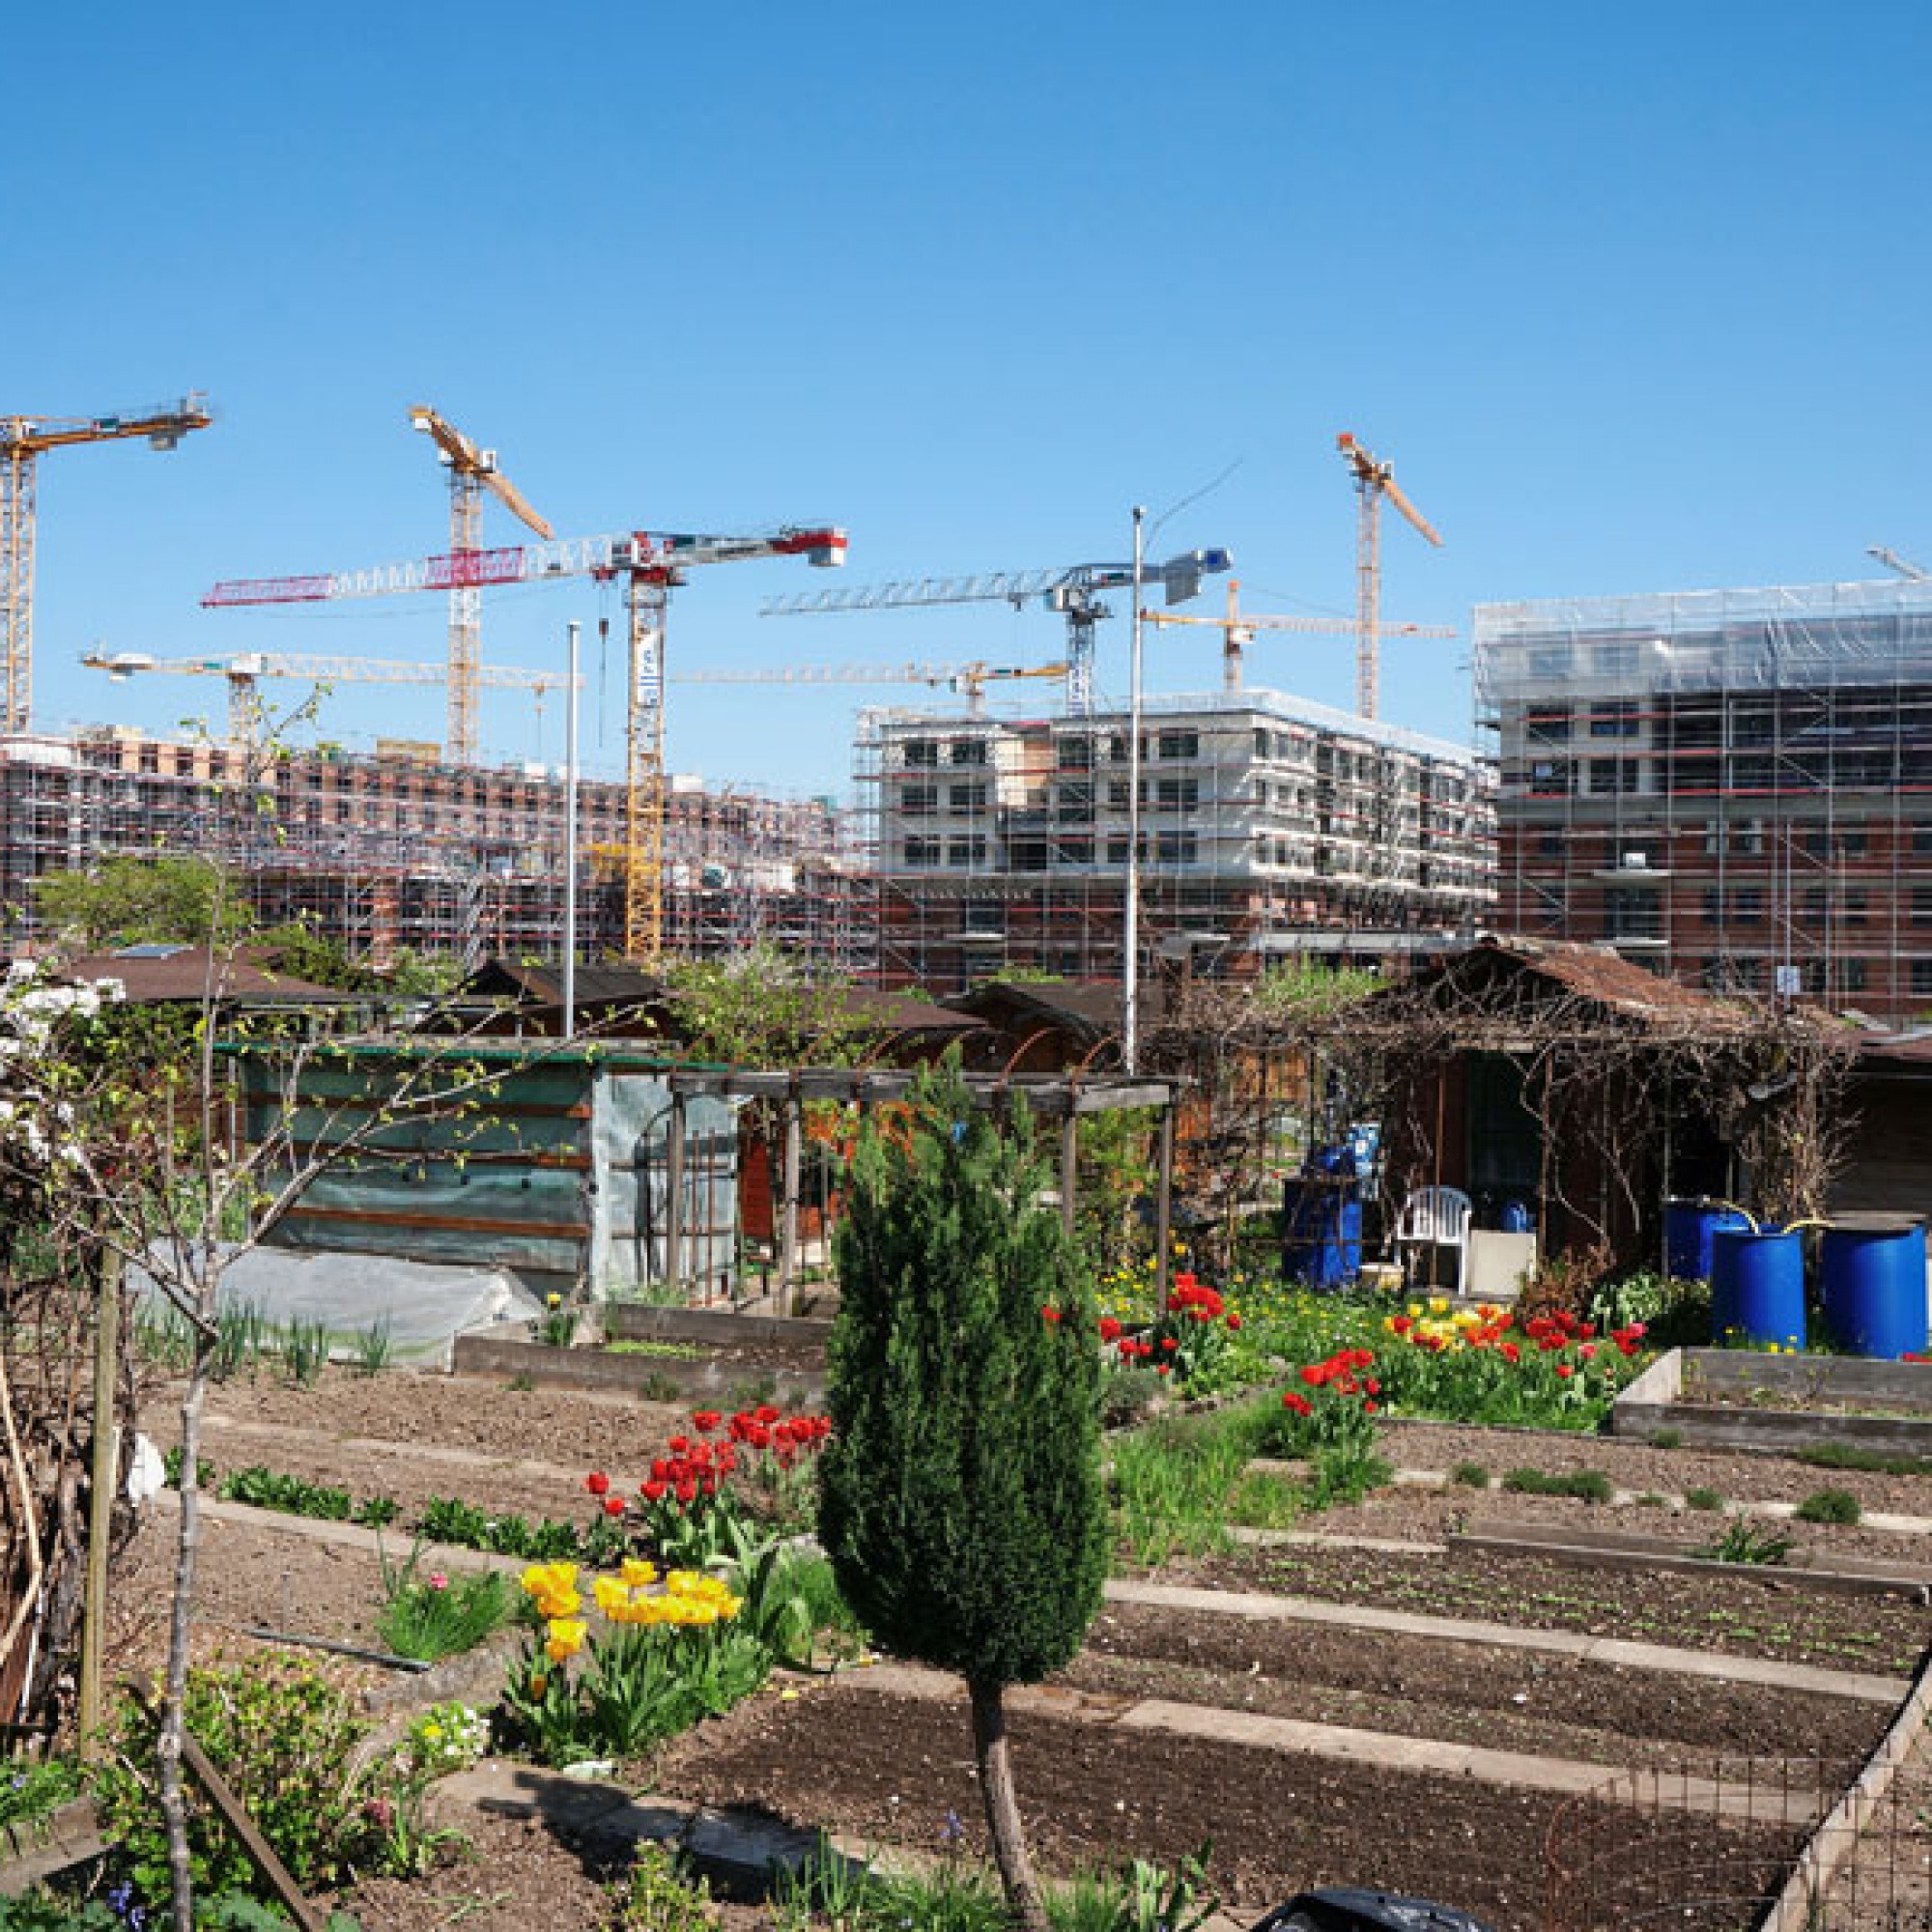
pixel 569 1166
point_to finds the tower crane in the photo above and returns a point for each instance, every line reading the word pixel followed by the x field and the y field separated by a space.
pixel 1238 626
pixel 1074 591
pixel 968 680
pixel 22 439
pixel 652 564
pixel 1375 479
pixel 246 671
pixel 471 471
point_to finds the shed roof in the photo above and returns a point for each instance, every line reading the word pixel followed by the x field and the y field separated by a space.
pixel 173 973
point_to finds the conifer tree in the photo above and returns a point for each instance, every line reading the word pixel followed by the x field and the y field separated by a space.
pixel 960 1497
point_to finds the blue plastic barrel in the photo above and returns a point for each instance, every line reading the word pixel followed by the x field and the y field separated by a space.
pixel 1873 1288
pixel 1321 1232
pixel 1515 1218
pixel 1688 1223
pixel 1757 1287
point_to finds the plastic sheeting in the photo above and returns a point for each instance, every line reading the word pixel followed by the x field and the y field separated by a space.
pixel 423 1305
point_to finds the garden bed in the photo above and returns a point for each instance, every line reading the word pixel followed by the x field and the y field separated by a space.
pixel 659 1369
pixel 1741 1399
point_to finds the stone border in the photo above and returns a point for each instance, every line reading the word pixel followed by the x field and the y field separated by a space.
pixel 645 1322
pixel 1660 1399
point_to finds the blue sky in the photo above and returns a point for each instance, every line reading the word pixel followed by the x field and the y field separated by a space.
pixel 1633 298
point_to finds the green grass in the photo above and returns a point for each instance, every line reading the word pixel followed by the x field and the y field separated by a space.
pixel 664 1351
pixel 1746 1542
pixel 1873 1461
pixel 1667 1439
pixel 1590 1486
pixel 1172 1481
pixel 1470 1476
pixel 1703 1499
pixel 431 1617
pixel 1838 1506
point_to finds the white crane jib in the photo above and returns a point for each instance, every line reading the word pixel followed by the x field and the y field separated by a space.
pixel 1074 590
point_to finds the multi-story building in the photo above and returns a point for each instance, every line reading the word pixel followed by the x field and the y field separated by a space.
pixel 397 850
pixel 1732 786
pixel 1269 826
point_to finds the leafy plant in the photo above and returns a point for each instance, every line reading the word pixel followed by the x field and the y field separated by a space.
pixel 30 1787
pixel 241 1333
pixel 1667 1439
pixel 1746 1542
pixel 557 1326
pixel 1855 1456
pixel 659 1894
pixel 287 1741
pixel 1837 1506
pixel 293 1495
pixel 1703 1499
pixel 375 1349
pixel 435 1616
pixel 305 1350
pixel 1470 1476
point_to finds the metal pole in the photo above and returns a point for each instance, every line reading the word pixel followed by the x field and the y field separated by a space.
pixel 570 842
pixel 1070 1169
pixel 788 1225
pixel 1130 924
pixel 1164 1210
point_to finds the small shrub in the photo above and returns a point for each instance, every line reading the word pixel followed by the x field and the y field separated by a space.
pixel 1703 1499
pixel 1650 1499
pixel 557 1326
pixel 1129 1395
pixel 1667 1439
pixel 752 1391
pixel 1470 1476
pixel 661 1386
pixel 1838 1506
pixel 293 1495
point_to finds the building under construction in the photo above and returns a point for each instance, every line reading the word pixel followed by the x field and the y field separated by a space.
pixel 1733 786
pixel 1268 827
pixel 397 851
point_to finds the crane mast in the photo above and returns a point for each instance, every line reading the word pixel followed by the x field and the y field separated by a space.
pixel 23 440
pixel 473 471
pixel 1375 479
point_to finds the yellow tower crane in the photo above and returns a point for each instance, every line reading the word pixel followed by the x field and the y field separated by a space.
pixel 245 672
pixel 22 439
pixel 1375 479
pixel 1238 626
pixel 471 471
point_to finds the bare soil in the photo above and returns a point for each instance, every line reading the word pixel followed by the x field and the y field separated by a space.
pixel 887 1770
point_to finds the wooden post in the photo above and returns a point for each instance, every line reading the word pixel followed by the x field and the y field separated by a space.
pixel 674 1192
pixel 101 1502
pixel 1070 1168
pixel 1164 1210
pixel 789 1227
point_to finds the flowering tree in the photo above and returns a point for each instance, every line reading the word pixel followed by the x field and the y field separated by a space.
pixel 960 1494
pixel 117 1140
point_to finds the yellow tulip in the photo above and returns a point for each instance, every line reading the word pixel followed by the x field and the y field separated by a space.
pixel 566 1638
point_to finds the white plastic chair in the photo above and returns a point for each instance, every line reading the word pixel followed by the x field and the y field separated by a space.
pixel 1436 1218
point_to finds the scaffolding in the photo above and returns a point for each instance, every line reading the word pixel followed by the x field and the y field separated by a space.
pixel 1734 787
pixel 1268 826
pixel 398 852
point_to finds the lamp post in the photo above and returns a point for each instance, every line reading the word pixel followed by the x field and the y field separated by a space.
pixel 569 989
pixel 1130 921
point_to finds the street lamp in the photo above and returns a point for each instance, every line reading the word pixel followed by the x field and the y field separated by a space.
pixel 1130 976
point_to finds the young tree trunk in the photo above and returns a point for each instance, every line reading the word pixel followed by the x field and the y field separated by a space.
pixel 174 1697
pixel 1003 1810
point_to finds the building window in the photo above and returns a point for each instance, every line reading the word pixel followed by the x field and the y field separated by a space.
pixel 1853 972
pixel 1074 800
pixel 1176 848
pixel 1180 743
pixel 1074 754
pixel 1615 720
pixel 967 751
pixel 920 852
pixel 920 801
pixel 921 752
pixel 967 797
pixel 1856 903
pixel 1178 794
pixel 1921 975
pixel 1921 905
pixel 966 852
pixel 1748 905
